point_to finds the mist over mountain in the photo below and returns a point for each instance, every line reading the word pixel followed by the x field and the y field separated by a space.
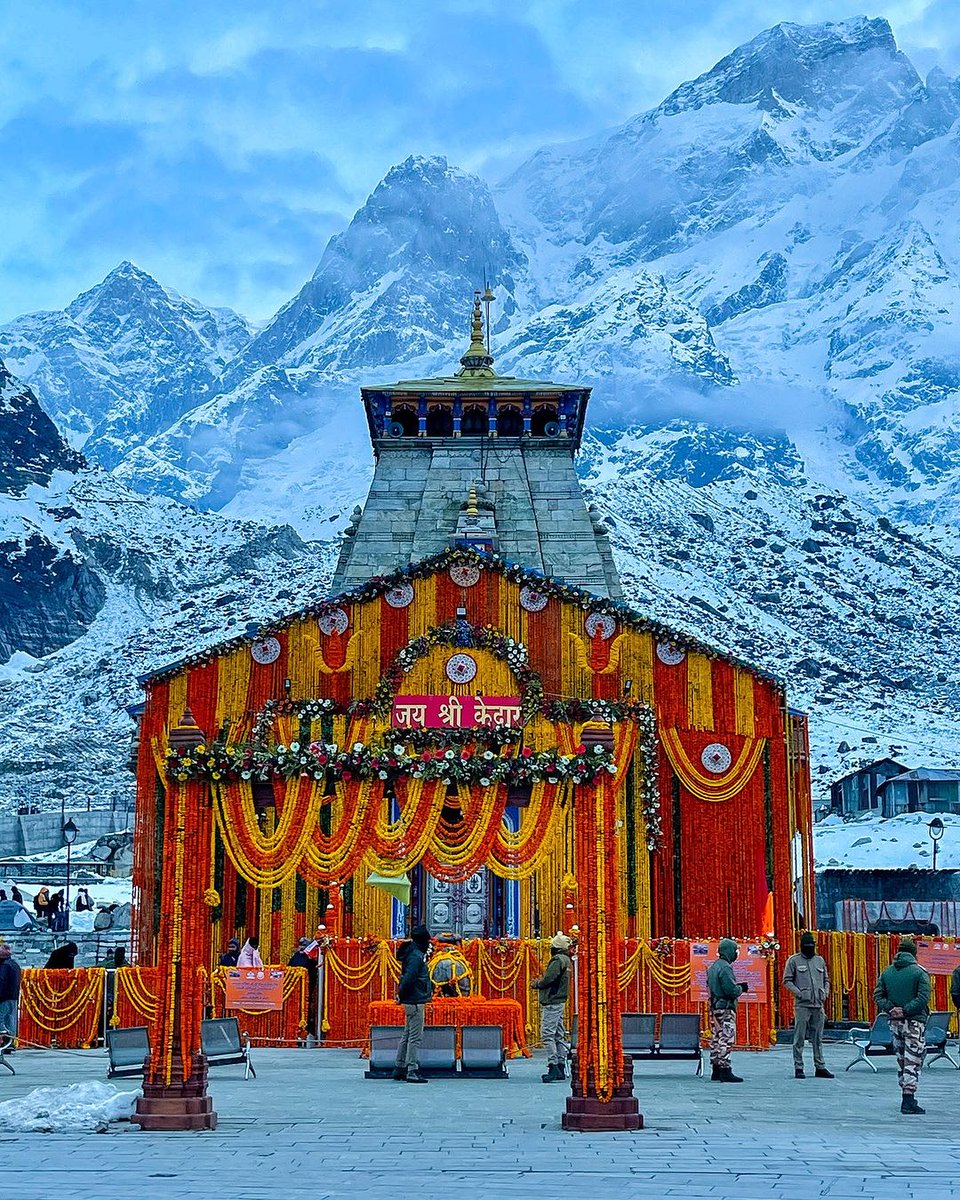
pixel 760 279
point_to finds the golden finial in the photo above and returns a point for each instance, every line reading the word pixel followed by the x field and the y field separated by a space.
pixel 477 362
pixel 472 510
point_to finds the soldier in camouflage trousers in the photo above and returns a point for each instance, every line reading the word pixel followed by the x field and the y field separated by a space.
pixel 725 993
pixel 903 993
pixel 723 1038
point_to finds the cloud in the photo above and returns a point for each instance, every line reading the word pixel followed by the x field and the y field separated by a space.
pixel 222 144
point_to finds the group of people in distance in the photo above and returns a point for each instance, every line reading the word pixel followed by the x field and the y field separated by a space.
pixel 902 993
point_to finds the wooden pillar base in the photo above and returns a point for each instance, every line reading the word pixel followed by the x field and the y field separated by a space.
pixel 177 1104
pixel 587 1114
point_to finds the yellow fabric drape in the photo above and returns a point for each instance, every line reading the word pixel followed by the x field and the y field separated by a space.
pixel 712 788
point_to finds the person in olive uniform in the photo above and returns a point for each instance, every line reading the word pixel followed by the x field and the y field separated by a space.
pixel 725 993
pixel 903 993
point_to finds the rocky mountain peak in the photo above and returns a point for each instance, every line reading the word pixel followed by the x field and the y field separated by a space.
pixel 31 449
pixel 813 65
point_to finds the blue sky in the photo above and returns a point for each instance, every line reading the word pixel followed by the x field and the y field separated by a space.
pixel 219 145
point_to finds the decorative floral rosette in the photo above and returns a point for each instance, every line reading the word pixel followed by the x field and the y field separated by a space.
pixel 461 668
pixel 532 600
pixel 265 651
pixel 716 758
pixel 465 574
pixel 334 620
pixel 669 654
pixel 601 625
pixel 400 596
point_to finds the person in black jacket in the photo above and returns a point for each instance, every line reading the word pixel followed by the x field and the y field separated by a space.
pixel 9 990
pixel 955 987
pixel 413 992
pixel 63 958
pixel 301 958
pixel 231 954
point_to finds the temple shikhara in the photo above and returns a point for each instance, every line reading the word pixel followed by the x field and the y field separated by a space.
pixel 475 731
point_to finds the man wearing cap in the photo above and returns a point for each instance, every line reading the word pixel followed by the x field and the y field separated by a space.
pixel 414 992
pixel 805 975
pixel 554 988
pixel 903 993
pixel 231 954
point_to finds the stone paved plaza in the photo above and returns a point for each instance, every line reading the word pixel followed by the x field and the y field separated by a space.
pixel 311 1126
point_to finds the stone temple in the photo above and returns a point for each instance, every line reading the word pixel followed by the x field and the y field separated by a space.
pixel 511 440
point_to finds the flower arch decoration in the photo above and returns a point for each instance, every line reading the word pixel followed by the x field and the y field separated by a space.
pixel 459 635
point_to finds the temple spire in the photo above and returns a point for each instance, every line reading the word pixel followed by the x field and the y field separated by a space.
pixel 477 362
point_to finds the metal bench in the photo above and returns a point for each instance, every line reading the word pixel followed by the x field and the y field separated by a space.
pixel 936 1035
pixel 438 1050
pixel 128 1050
pixel 639 1033
pixel 482 1055
pixel 220 1042
pixel 878 1042
pixel 680 1038
pixel 6 1045
pixel 384 1044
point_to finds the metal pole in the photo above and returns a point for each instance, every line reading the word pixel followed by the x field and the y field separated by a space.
pixel 67 905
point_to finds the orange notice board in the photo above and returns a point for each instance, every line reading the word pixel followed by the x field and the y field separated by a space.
pixel 938 958
pixel 254 989
pixel 750 968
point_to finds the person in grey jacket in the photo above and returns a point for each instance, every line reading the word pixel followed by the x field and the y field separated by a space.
pixel 805 976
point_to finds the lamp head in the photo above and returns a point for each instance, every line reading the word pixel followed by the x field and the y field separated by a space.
pixel 936 829
pixel 70 831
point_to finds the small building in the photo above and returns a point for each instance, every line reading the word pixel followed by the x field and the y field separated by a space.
pixel 924 790
pixel 860 790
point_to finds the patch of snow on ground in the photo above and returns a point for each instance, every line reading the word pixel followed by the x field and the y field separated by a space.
pixel 79 1108
pixel 870 842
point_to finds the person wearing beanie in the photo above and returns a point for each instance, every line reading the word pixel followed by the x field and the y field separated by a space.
pixel 414 992
pixel 903 993
pixel 554 989
pixel 725 993
pixel 806 976
pixel 9 990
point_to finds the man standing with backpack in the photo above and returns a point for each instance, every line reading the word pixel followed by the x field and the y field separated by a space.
pixel 414 991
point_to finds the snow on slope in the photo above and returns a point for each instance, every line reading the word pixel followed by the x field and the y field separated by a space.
pixel 872 843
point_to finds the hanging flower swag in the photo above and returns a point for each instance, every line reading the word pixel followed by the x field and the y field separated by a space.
pixel 388 761
pixel 379 585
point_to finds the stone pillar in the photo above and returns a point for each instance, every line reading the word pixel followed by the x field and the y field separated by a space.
pixel 602 1084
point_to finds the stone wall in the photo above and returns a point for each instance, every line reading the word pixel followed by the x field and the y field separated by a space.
pixel 419 488
pixel 39 833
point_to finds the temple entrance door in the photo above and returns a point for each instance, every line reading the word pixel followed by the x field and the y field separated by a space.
pixel 458 907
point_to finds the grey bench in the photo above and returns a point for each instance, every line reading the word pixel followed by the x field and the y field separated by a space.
pixel 877 1041
pixel 680 1038
pixel 482 1055
pixel 384 1044
pixel 936 1037
pixel 438 1050
pixel 220 1041
pixel 129 1050
pixel 639 1033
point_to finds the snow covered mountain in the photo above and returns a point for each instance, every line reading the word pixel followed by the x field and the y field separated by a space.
pixel 123 361
pixel 760 279
pixel 98 584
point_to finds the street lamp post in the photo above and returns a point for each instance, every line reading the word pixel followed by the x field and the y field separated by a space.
pixel 935 831
pixel 70 831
